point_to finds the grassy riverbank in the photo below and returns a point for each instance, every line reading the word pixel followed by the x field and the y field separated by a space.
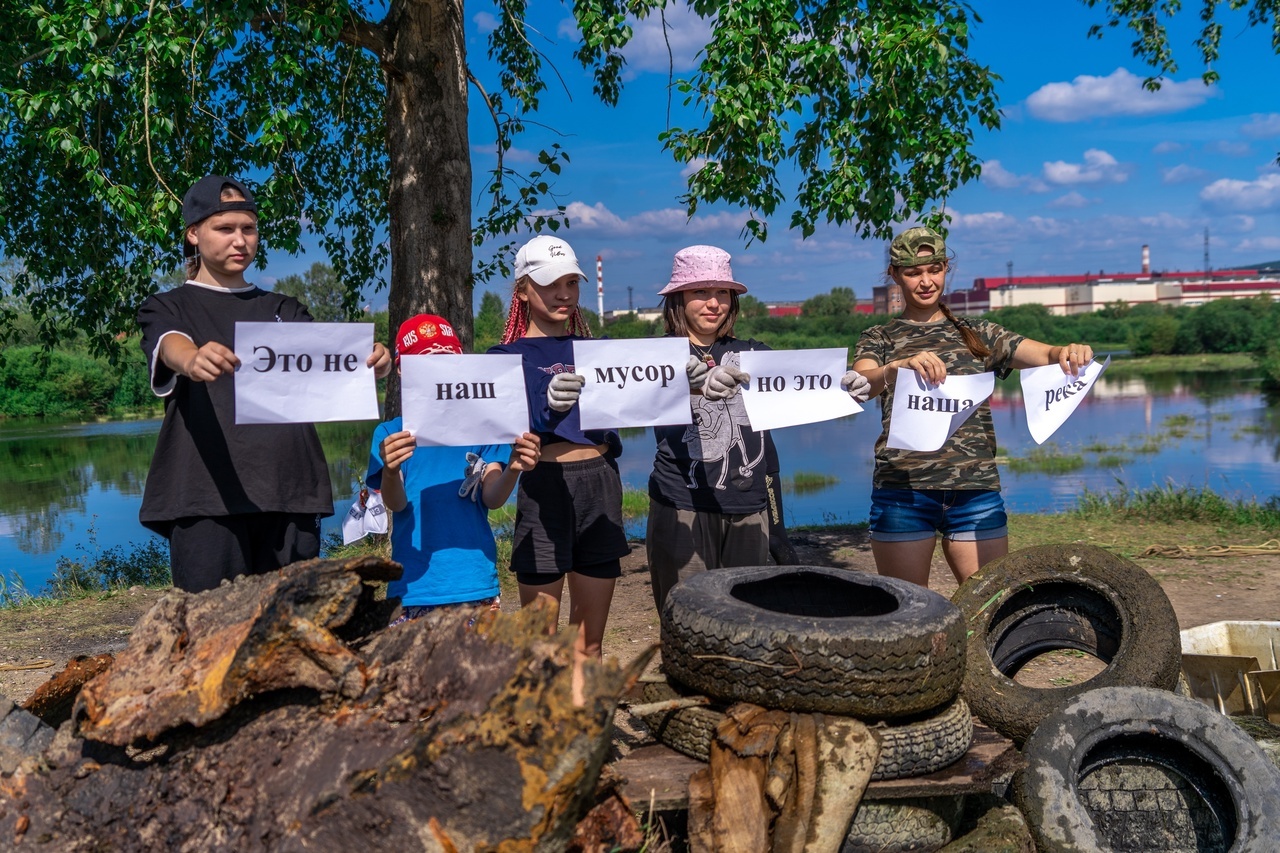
pixel 1124 522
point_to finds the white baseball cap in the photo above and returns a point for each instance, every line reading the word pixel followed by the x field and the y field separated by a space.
pixel 545 259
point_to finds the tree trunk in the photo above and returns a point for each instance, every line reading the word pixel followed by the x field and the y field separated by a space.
pixel 430 162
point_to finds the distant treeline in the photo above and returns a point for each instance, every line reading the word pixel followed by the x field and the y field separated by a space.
pixel 72 382
pixel 1224 326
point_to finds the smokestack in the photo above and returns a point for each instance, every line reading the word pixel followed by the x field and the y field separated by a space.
pixel 1146 260
pixel 600 287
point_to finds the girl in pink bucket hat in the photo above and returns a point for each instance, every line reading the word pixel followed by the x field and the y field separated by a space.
pixel 568 508
pixel 708 493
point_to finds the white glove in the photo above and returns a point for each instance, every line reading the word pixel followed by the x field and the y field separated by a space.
pixel 474 472
pixel 697 370
pixel 858 386
pixel 723 381
pixel 564 391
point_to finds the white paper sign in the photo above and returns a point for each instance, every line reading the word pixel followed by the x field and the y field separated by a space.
pixel 925 416
pixel 451 400
pixel 1050 396
pixel 792 387
pixel 633 383
pixel 294 373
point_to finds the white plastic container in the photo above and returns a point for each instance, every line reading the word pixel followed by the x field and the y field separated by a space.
pixel 1234 667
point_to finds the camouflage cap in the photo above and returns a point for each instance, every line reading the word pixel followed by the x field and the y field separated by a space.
pixel 904 251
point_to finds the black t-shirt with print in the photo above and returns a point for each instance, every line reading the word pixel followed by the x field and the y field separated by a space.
pixel 717 463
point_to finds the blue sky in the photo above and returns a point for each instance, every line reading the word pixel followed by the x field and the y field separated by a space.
pixel 1086 169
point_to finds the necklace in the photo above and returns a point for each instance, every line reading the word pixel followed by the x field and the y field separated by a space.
pixel 703 353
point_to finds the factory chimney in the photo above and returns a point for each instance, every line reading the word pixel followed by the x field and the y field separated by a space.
pixel 1146 260
pixel 600 287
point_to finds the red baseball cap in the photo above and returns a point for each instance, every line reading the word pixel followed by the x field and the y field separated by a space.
pixel 426 333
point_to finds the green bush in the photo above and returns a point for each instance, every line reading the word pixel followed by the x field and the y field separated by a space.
pixel 38 383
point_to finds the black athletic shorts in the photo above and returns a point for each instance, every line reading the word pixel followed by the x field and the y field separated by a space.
pixel 569 518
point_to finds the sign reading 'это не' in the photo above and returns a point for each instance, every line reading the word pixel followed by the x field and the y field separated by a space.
pixel 304 373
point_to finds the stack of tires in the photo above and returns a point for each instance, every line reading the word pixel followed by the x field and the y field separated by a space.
pixel 1120 761
pixel 825 640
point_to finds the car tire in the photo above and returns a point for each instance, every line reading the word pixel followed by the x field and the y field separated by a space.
pixel 910 746
pixel 1131 768
pixel 813 639
pixel 1055 597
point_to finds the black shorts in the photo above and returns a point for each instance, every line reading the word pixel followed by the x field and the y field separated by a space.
pixel 568 518
pixel 204 551
pixel 607 570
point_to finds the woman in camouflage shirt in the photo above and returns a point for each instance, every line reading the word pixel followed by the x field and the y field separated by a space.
pixel 954 490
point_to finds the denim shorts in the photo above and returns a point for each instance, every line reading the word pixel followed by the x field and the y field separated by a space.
pixel 962 515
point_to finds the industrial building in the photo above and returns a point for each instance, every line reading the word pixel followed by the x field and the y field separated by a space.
pixel 1082 294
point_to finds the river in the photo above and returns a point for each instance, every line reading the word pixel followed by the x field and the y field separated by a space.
pixel 69 489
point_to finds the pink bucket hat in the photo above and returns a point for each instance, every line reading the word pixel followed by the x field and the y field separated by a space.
pixel 701 266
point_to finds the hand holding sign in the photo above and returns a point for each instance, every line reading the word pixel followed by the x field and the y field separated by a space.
pixel 723 381
pixel 1051 396
pixel 857 385
pixel 564 390
pixel 925 415
pixel 297 372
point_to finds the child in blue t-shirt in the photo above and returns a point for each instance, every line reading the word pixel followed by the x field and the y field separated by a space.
pixel 440 498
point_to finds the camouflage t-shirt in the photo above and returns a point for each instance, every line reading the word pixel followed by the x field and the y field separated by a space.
pixel 967 459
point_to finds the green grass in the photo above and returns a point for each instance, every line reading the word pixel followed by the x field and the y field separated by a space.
pixel 1128 522
pixel 1112 460
pixel 1206 363
pixel 1046 460
pixel 805 482
pixel 1179 504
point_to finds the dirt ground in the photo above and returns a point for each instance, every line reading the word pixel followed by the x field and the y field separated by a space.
pixel 1210 589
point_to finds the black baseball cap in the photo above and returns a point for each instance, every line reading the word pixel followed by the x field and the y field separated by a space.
pixel 204 199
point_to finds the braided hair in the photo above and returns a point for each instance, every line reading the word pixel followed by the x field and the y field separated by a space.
pixel 518 316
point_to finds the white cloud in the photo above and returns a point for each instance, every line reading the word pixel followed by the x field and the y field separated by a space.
pixel 1262 194
pixel 1118 94
pixel 1262 125
pixel 1229 148
pixel 665 221
pixel 485 22
pixel 996 175
pixel 1182 174
pixel 686 33
pixel 1265 244
pixel 1072 199
pixel 693 166
pixel 1098 167
pixel 1168 147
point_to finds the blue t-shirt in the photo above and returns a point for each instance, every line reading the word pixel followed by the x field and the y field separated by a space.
pixel 443 541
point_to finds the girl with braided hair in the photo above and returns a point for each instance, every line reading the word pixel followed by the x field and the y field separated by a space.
pixel 954 490
pixel 568 508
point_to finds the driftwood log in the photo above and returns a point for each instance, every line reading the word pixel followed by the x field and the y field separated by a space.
pixel 280 713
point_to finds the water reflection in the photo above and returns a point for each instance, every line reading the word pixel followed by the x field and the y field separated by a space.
pixel 62 483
